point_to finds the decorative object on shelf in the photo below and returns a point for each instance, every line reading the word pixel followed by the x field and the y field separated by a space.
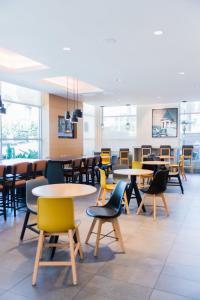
pixel 2 108
pixel 164 122
pixel 102 124
pixel 67 113
pixel 78 111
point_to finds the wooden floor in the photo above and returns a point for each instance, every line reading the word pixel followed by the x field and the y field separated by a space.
pixel 162 260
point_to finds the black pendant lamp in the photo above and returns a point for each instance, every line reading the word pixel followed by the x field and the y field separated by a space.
pixel 74 116
pixel 78 111
pixel 67 113
pixel 2 108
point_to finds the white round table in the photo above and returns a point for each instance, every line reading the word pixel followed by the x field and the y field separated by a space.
pixel 155 162
pixel 133 184
pixel 63 190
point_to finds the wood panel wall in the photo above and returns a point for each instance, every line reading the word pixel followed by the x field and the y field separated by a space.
pixel 61 146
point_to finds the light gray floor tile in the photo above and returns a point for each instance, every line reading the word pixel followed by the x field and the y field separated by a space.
pixel 159 295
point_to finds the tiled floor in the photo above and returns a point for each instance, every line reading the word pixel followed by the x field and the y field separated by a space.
pixel 162 260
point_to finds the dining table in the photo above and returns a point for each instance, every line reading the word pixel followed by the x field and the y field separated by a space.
pixel 133 173
pixel 63 190
pixel 155 164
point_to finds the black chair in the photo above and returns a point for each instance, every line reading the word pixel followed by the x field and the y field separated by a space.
pixel 175 173
pixel 87 170
pixel 156 190
pixel 73 174
pixel 31 204
pixel 108 213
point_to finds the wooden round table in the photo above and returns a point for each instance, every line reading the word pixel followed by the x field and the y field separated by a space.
pixel 63 190
pixel 133 173
pixel 155 162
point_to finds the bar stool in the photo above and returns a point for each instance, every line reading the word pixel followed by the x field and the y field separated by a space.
pixel 124 156
pixel 3 191
pixel 146 150
pixel 16 183
pixel 39 168
pixel 187 151
pixel 73 174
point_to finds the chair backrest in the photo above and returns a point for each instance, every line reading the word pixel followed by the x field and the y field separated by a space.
pixel 90 162
pixel 102 178
pixel 21 169
pixel 159 182
pixel 76 164
pixel 123 153
pixel 105 158
pixel 106 151
pixel 136 164
pixel 39 166
pixel 146 150
pixel 2 171
pixel 55 215
pixel 165 150
pixel 30 185
pixel 115 201
pixel 187 150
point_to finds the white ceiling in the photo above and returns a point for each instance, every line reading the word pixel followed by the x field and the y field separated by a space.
pixel 112 46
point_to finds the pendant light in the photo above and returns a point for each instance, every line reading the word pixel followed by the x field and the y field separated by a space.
pixel 2 108
pixel 67 113
pixel 78 111
pixel 74 116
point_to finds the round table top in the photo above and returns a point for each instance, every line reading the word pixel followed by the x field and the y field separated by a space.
pixel 63 190
pixel 133 172
pixel 155 162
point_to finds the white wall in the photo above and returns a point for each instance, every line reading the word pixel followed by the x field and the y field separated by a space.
pixel 144 131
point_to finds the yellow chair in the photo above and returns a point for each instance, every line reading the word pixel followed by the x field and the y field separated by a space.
pixel 55 217
pixel 182 167
pixel 108 188
pixel 138 165
pixel 105 158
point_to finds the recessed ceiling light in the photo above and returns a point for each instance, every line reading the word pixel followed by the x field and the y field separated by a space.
pixel 181 73
pixel 158 32
pixel 14 62
pixel 111 41
pixel 66 49
pixel 117 79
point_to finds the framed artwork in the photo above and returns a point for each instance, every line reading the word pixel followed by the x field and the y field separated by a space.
pixel 65 128
pixel 164 122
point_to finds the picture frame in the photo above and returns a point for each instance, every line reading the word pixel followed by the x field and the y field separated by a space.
pixel 65 128
pixel 165 123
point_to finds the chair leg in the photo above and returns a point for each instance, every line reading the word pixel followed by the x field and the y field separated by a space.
pixel 98 238
pixel 79 241
pixel 126 204
pixel 180 183
pixel 25 225
pixel 165 204
pixel 104 197
pixel 154 207
pixel 91 229
pixel 118 233
pixel 141 204
pixel 73 262
pixel 99 196
pixel 4 205
pixel 38 257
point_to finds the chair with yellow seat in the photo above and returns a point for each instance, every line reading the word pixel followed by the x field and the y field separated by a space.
pixel 56 217
pixel 138 165
pixel 108 188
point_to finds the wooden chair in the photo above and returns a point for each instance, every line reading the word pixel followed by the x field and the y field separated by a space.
pixel 182 167
pixel 108 188
pixel 73 173
pixel 39 168
pixel 56 217
pixel 31 204
pixel 146 150
pixel 156 190
pixel 3 191
pixel 106 151
pixel 16 183
pixel 108 213
pixel 187 151
pixel 174 172
pixel 165 151
pixel 124 156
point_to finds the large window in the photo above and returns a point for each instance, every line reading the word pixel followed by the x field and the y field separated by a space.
pixel 190 126
pixel 88 129
pixel 20 126
pixel 118 126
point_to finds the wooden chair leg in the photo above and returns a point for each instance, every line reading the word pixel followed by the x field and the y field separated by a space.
pixel 73 262
pixel 90 230
pixel 154 207
pixel 165 204
pixel 99 196
pixel 98 238
pixel 104 197
pixel 118 233
pixel 38 257
pixel 141 204
pixel 79 241
pixel 126 204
